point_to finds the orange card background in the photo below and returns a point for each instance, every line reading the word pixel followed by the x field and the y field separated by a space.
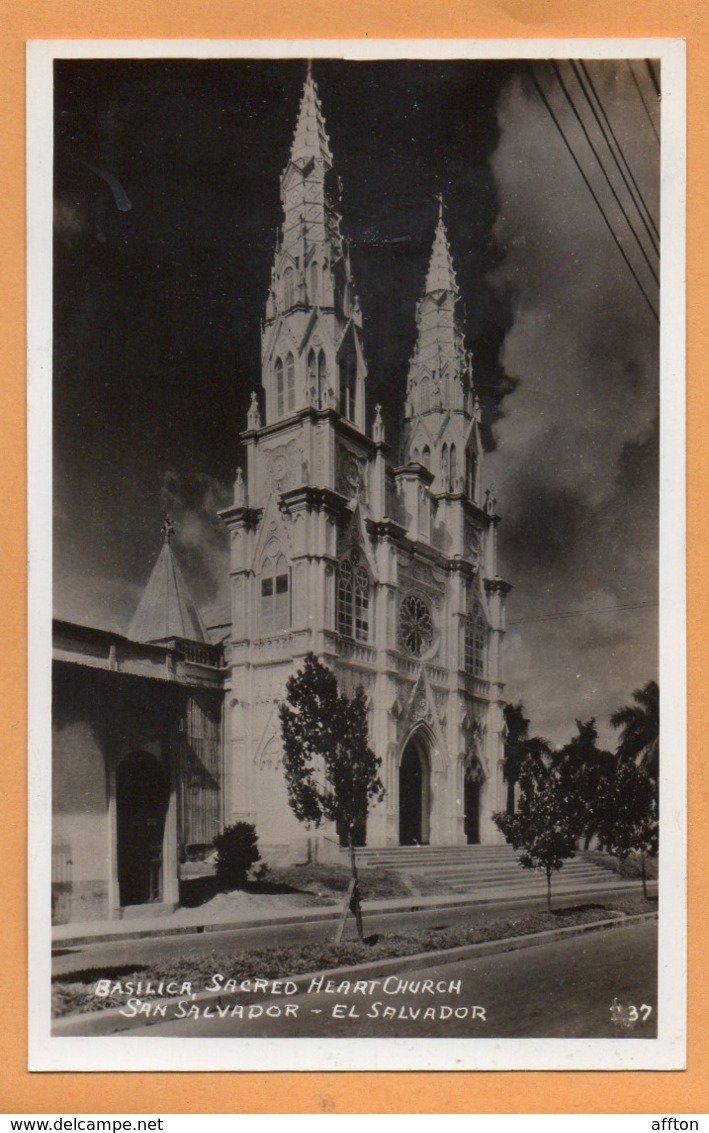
pixel 472 1092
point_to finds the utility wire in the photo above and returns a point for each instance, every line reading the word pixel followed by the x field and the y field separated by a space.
pixel 604 171
pixel 601 107
pixel 617 242
pixel 580 613
pixel 653 77
pixel 640 95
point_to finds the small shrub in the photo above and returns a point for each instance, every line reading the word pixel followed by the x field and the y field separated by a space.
pixel 236 853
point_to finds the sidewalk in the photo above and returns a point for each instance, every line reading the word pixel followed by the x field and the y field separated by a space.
pixel 204 919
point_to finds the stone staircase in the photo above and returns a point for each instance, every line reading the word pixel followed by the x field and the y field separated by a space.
pixel 487 872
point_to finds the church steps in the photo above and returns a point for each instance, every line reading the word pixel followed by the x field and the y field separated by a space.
pixel 483 869
pixel 448 876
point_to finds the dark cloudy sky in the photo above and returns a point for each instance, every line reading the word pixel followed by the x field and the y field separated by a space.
pixel 166 206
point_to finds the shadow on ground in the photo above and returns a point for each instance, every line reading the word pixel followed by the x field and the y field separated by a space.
pixel 88 975
pixel 196 891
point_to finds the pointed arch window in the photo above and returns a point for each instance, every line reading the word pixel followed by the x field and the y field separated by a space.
pixel 322 379
pixel 275 613
pixel 279 387
pixel 348 382
pixel 290 383
pixel 425 396
pixel 454 468
pixel 471 468
pixel 475 644
pixel 288 288
pixel 312 380
pixel 445 468
pixel 426 457
pixel 314 283
pixel 353 598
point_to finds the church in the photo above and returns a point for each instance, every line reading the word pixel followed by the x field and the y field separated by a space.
pixel 383 564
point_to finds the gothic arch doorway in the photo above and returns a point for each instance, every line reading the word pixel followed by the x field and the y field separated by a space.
pixel 141 807
pixel 473 779
pixel 415 793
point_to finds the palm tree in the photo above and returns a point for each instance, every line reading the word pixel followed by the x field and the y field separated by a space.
pixel 591 771
pixel 639 740
pixel 518 746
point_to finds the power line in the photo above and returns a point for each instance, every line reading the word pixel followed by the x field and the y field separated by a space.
pixel 640 96
pixel 579 613
pixel 638 191
pixel 653 77
pixel 617 242
pixel 602 167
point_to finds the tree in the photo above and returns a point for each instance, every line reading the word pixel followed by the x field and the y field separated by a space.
pixel 640 729
pixel 592 770
pixel 331 771
pixel 548 819
pixel 518 746
pixel 631 822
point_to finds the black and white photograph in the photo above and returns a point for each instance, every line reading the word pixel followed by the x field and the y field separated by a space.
pixel 361 409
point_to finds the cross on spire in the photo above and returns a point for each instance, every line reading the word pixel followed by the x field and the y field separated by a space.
pixel 167 529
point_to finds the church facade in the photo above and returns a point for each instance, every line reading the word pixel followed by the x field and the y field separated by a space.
pixel 384 568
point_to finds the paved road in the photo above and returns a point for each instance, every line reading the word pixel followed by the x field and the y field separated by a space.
pixel 123 955
pixel 559 990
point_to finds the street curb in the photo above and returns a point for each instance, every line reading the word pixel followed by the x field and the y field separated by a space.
pixel 314 915
pixel 111 1021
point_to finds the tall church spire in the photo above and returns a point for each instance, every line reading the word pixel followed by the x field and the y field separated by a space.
pixel 311 349
pixel 310 139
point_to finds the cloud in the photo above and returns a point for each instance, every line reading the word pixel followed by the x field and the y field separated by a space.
pixel 201 540
pixel 575 467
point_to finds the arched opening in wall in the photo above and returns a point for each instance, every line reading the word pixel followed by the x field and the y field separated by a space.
pixel 424 396
pixel 142 793
pixel 314 280
pixel 415 793
pixel 454 469
pixel 471 474
pixel 473 779
pixel 279 387
pixel 426 458
pixel 290 383
pixel 322 380
pixel 288 288
pixel 348 380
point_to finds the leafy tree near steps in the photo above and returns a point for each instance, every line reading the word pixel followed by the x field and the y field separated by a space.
pixel 548 820
pixel 331 771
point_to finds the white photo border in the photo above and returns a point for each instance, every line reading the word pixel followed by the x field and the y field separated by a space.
pixel 668 1050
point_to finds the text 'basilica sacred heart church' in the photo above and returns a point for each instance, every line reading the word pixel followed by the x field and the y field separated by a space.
pixel 385 568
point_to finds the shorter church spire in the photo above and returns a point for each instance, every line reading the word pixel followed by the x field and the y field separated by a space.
pixel 167 609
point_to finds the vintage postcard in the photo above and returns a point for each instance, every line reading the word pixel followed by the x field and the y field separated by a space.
pixel 356 555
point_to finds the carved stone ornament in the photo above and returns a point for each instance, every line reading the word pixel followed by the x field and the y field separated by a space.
pixel 350 474
pixel 415 625
pixel 279 467
pixel 420 708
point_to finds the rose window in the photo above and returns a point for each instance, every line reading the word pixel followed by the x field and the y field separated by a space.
pixel 415 625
